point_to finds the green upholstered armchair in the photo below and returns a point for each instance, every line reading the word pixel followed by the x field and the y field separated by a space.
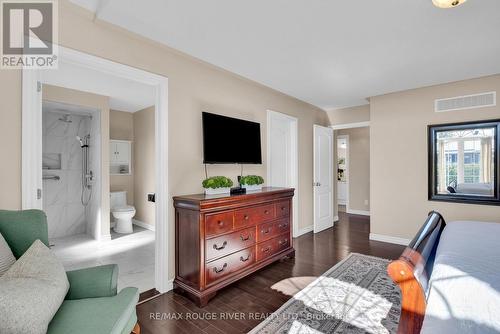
pixel 92 304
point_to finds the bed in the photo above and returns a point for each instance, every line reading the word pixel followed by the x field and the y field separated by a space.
pixel 449 277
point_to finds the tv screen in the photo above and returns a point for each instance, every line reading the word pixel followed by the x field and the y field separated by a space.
pixel 229 140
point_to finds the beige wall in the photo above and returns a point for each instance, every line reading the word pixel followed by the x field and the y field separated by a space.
pixel 359 167
pixel 121 127
pixel 349 115
pixel 75 97
pixel 194 86
pixel 144 164
pixel 398 126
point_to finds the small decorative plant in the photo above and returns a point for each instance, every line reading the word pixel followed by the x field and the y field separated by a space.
pixel 252 182
pixel 217 185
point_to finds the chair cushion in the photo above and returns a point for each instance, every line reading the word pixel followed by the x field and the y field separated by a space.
pixel 110 315
pixel 32 291
pixel 7 259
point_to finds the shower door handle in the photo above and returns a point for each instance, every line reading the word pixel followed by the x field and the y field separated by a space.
pixel 39 193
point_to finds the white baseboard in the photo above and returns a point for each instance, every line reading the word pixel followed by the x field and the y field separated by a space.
pixel 357 212
pixel 304 230
pixel 143 225
pixel 389 239
pixel 335 219
pixel 106 237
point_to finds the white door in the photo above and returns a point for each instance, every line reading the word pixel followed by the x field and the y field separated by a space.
pixel 112 152
pixel 323 178
pixel 282 169
pixel 122 152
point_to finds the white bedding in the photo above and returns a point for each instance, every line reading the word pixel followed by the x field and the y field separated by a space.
pixel 464 295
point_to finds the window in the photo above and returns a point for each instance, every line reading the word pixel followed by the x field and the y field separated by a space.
pixel 463 162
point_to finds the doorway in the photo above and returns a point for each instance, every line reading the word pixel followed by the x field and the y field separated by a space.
pixel 32 145
pixel 352 164
pixel 282 157
pixel 343 172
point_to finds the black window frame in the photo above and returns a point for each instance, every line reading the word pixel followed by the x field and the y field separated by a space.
pixel 433 195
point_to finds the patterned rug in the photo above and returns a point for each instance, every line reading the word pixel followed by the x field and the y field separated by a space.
pixel 355 296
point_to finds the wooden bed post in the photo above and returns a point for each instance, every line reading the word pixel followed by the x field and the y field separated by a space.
pixel 413 301
pixel 137 329
pixel 411 272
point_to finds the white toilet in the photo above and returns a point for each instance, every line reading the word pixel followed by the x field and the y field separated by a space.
pixel 121 212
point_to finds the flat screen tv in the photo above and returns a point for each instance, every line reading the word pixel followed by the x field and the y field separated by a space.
pixel 229 140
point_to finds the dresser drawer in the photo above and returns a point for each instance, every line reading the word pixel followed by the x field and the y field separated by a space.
pixel 229 243
pixel 218 223
pixel 283 209
pixel 218 269
pixel 254 215
pixel 268 231
pixel 273 246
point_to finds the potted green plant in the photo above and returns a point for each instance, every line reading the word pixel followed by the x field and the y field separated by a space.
pixel 217 185
pixel 252 182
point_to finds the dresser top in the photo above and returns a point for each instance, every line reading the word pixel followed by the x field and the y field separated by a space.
pixel 210 200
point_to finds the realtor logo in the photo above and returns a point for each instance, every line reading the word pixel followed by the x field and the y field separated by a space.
pixel 29 34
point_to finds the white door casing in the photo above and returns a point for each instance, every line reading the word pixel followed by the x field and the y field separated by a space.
pixel 323 182
pixel 282 157
pixel 31 169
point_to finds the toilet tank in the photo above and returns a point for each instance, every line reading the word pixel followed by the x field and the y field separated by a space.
pixel 117 199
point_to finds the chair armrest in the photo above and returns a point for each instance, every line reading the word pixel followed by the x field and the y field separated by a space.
pixel 93 282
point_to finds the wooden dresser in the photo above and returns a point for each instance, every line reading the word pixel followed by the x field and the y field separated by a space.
pixel 220 239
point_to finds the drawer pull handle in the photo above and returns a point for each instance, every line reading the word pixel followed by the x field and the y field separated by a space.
pixel 246 217
pixel 266 212
pixel 221 269
pixel 282 225
pixel 283 242
pixel 224 244
pixel 245 260
pixel 266 250
pixel 265 231
pixel 245 239
pixel 282 208
pixel 221 223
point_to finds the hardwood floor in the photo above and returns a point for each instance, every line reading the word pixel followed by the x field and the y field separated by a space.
pixel 241 306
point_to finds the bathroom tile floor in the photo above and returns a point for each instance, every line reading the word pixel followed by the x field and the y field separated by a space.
pixel 133 253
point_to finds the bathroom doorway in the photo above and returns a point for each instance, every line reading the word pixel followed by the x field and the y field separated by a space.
pixel 85 74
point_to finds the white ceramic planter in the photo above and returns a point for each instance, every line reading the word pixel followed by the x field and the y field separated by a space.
pixel 253 187
pixel 217 191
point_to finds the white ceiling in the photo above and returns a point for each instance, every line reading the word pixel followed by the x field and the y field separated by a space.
pixel 331 53
pixel 124 95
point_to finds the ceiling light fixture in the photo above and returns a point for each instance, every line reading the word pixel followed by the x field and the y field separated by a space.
pixel 447 3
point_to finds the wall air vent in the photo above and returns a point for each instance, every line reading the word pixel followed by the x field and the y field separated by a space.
pixel 466 102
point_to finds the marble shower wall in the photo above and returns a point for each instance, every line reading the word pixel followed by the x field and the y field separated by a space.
pixel 61 198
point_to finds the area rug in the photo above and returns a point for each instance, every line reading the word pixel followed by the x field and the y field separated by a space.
pixel 355 296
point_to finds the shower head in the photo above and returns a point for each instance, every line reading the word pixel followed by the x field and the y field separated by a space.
pixel 80 140
pixel 66 119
